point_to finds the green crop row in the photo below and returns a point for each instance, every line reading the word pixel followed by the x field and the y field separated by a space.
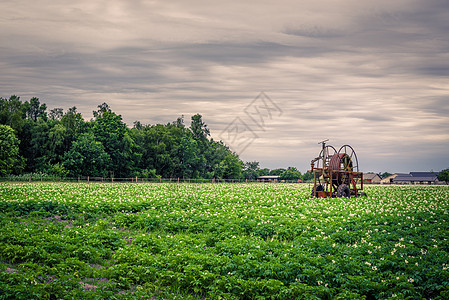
pixel 221 241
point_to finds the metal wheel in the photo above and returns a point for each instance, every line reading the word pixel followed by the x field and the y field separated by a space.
pixel 337 172
pixel 318 188
pixel 343 191
pixel 327 152
pixel 349 161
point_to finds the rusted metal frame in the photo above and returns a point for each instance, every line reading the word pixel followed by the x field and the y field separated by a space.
pixel 361 187
pixel 331 183
pixel 360 175
pixel 323 166
pixel 351 177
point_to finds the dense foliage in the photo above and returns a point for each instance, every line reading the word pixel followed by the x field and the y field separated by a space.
pixel 10 160
pixel 444 176
pixel 64 144
pixel 222 241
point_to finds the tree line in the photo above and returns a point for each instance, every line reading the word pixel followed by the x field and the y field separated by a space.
pixel 64 144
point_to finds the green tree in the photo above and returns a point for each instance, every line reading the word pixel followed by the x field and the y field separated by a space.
pixel 307 176
pixel 251 170
pixel 102 108
pixel 214 155
pixel 36 143
pixel 444 175
pixel 34 109
pixel 191 159
pixel 87 157
pixel 10 160
pixel 277 172
pixel 199 130
pixel 291 174
pixel 56 114
pixel 384 175
pixel 216 159
pixel 264 172
pixel 12 113
pixel 74 125
pixel 148 173
pixel 232 166
pixel 159 148
pixel 179 122
pixel 56 139
pixel 109 129
pixel 172 150
pixel 46 140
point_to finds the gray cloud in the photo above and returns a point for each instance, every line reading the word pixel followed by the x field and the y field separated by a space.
pixel 373 75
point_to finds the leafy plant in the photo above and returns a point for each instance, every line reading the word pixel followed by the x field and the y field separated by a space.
pixel 230 241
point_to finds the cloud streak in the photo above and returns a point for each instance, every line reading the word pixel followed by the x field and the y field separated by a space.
pixel 373 75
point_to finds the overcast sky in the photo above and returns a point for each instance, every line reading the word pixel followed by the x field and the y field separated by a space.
pixel 372 74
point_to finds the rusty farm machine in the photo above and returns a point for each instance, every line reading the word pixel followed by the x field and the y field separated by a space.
pixel 336 173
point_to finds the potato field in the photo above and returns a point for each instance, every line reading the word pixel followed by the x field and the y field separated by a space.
pixel 221 241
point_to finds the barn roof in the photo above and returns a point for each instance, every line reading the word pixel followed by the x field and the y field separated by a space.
pixel 415 178
pixel 403 175
pixel 423 174
pixel 369 176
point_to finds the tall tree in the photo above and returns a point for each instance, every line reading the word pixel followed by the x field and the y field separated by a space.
pixel 232 166
pixel 251 170
pixel 169 150
pixel 277 172
pixel 34 109
pixel 307 176
pixel 179 122
pixel 56 140
pixel 74 125
pixel 113 134
pixel 291 174
pixel 102 108
pixel 159 146
pixel 192 161
pixel 34 144
pixel 10 160
pixel 87 157
pixel 264 172
pixel 56 113
pixel 215 154
pixel 199 129
pixel 444 176
pixel 12 113
pixel 163 151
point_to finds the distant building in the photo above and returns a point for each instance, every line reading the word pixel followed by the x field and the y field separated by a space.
pixel 417 178
pixel 268 178
pixel 389 179
pixel 371 178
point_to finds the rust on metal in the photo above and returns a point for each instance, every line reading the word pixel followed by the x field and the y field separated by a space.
pixel 336 173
